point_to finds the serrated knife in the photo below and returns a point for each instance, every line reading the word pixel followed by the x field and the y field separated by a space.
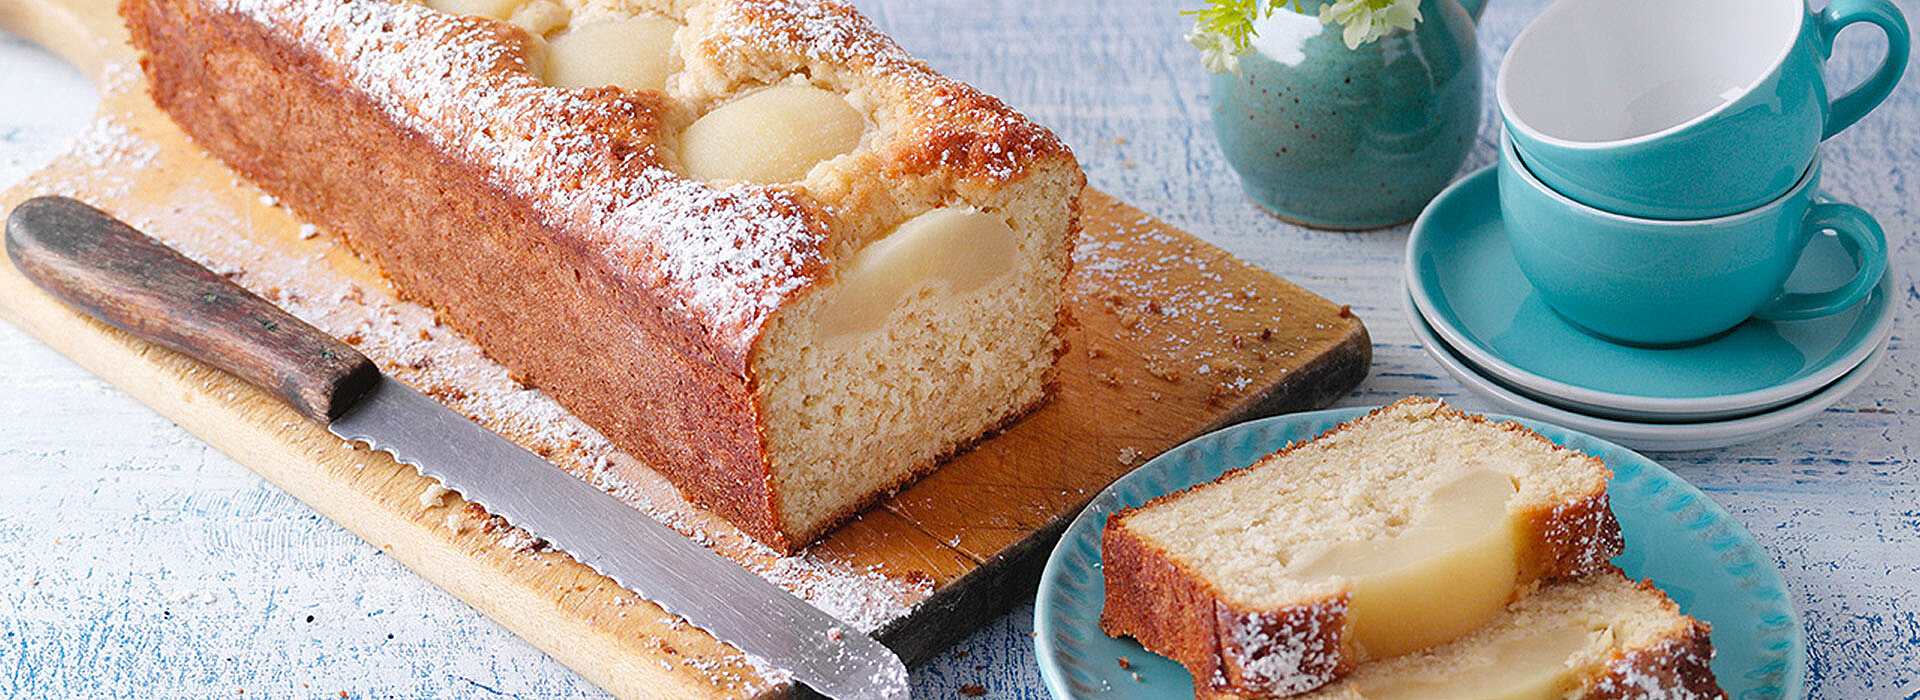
pixel 110 271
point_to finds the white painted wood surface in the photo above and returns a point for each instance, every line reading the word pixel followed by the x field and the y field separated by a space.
pixel 142 563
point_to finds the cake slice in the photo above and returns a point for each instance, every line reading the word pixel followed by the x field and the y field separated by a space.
pixel 1403 529
pixel 753 242
pixel 1593 638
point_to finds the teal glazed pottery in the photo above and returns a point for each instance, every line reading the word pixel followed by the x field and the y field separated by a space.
pixel 1337 138
pixel 1640 435
pixel 1684 109
pixel 1659 283
pixel 1465 284
pixel 1676 536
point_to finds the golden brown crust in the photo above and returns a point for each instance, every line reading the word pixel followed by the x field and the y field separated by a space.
pixel 1174 612
pixel 1149 593
pixel 1571 539
pixel 946 128
pixel 476 212
pixel 1679 667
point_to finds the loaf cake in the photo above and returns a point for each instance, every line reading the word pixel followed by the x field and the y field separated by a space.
pixel 1601 637
pixel 753 242
pixel 1400 530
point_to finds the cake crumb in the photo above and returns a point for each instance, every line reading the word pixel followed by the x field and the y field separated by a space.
pixel 520 541
pixel 1125 663
pixel 434 497
pixel 1129 455
pixel 973 690
pixel 458 522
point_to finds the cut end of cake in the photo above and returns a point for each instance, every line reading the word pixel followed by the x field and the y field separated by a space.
pixel 925 341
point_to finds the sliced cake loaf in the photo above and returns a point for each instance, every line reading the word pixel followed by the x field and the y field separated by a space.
pixel 1403 529
pixel 1601 637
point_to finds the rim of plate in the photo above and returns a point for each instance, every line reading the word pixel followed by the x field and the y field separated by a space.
pixel 1658 437
pixel 1110 499
pixel 1727 405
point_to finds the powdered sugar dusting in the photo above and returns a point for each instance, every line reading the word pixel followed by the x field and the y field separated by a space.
pixel 1224 333
pixel 949 125
pixel 588 159
pixel 107 146
pixel 1282 653
pixel 1675 669
pixel 869 598
pixel 828 32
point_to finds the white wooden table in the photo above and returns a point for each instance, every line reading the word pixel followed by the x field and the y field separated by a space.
pixel 139 562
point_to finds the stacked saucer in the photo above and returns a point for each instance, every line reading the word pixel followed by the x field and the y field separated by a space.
pixel 1482 320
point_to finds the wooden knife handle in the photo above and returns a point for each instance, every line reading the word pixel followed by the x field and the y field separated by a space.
pixel 109 271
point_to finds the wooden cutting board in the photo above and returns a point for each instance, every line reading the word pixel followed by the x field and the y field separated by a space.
pixel 1176 338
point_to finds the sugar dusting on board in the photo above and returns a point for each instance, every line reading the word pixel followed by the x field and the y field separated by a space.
pixel 1222 334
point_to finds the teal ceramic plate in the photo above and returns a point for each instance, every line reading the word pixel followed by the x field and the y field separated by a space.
pixel 1466 284
pixel 1675 536
pixel 1657 437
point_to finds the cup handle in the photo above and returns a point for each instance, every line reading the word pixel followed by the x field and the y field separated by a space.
pixel 1849 108
pixel 1857 228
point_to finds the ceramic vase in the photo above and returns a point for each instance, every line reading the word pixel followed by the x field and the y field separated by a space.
pixel 1330 137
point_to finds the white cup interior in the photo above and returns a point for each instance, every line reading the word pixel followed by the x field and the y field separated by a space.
pixel 1599 71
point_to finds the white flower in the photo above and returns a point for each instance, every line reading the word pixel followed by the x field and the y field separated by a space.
pixel 1368 20
pixel 1216 50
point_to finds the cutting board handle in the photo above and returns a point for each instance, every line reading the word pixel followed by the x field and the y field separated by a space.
pixel 107 270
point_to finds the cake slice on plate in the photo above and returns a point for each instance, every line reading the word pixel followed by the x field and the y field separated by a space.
pixel 1401 530
pixel 1601 637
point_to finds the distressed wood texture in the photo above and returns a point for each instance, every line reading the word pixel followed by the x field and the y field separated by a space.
pixel 1173 338
pixel 119 276
pixel 156 567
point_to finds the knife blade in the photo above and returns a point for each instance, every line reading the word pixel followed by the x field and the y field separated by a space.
pixel 110 271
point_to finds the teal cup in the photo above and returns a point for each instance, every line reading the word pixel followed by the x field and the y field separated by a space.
pixel 1657 282
pixel 1684 109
